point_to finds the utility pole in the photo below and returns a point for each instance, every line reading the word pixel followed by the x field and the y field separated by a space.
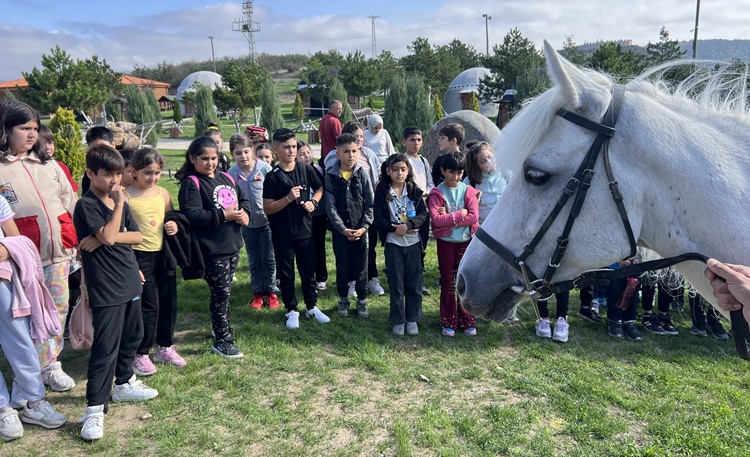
pixel 213 56
pixel 487 19
pixel 248 27
pixel 695 36
pixel 374 41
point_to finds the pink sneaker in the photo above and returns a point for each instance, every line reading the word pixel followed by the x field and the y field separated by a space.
pixel 142 365
pixel 169 356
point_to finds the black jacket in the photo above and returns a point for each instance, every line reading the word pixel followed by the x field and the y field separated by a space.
pixel 349 204
pixel 183 249
pixel 383 215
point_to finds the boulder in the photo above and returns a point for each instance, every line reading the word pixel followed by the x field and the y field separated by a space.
pixel 476 126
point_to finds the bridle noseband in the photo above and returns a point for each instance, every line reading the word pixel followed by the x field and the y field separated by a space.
pixel 539 289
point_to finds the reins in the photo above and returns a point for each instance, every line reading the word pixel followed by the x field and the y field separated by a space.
pixel 577 186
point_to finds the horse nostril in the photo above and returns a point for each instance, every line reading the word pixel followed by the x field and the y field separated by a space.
pixel 460 285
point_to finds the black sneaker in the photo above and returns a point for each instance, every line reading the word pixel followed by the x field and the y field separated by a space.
pixel 226 348
pixel 615 329
pixel 665 320
pixel 717 330
pixel 695 330
pixel 651 323
pixel 632 333
pixel 343 308
pixel 590 315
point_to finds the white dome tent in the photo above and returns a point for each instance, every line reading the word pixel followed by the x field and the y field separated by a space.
pixel 207 78
pixel 466 83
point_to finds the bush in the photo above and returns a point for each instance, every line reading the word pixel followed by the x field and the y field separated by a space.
pixel 205 113
pixel 67 135
pixel 474 105
pixel 438 108
pixel 270 114
pixel 177 112
pixel 298 112
pixel 153 103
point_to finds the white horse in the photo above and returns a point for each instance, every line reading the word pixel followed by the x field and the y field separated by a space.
pixel 682 164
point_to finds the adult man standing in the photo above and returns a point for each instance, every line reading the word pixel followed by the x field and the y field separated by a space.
pixel 330 128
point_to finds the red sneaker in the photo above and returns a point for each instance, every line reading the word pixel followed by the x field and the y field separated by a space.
pixel 257 302
pixel 273 301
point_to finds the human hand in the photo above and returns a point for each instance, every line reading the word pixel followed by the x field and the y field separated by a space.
pixel 624 263
pixel 232 214
pixel 3 253
pixel 350 234
pixel 171 228
pixel 89 244
pixel 733 292
pixel 464 212
pixel 118 195
pixel 294 193
pixel 244 219
pixel 309 206
pixel 360 231
pixel 400 229
pixel 442 210
pixel 143 278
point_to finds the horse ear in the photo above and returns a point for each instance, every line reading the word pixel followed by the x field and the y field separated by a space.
pixel 578 90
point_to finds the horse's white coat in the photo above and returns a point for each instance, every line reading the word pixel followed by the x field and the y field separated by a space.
pixel 683 168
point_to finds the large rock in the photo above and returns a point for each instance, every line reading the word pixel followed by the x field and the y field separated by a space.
pixel 477 127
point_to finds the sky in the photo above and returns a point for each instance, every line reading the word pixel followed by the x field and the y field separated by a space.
pixel 148 32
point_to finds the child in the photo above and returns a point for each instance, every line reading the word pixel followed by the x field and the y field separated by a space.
pixel 482 174
pixel 622 321
pixel 378 139
pixel 45 136
pixel 454 214
pixel 214 132
pixel 106 231
pixel 264 152
pixel 249 175
pixel 96 136
pixel 288 205
pixel 422 178
pixel 349 204
pixel 216 209
pixel 20 353
pixel 319 219
pixel 149 204
pixel 399 212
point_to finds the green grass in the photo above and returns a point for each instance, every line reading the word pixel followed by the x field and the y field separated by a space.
pixel 352 388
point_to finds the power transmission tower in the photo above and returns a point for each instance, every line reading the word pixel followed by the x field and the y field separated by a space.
pixel 248 27
pixel 374 40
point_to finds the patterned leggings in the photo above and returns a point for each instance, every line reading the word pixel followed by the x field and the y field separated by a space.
pixel 219 279
pixel 56 280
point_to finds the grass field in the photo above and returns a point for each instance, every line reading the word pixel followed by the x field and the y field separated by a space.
pixel 350 387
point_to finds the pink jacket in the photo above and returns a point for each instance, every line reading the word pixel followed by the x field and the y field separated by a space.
pixel 443 223
pixel 30 295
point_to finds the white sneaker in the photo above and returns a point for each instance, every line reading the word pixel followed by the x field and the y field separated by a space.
pixel 561 330
pixel 93 423
pixel 412 328
pixel 318 315
pixel 353 288
pixel 133 390
pixel 10 427
pixel 43 414
pixel 54 377
pixel 375 287
pixel 320 285
pixel 542 328
pixel 292 319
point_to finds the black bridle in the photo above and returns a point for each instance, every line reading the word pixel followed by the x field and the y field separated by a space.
pixel 577 187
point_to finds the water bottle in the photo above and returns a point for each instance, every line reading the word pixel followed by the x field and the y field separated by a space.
pixel 631 284
pixel 411 211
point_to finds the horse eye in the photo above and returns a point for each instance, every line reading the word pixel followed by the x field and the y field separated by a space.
pixel 536 177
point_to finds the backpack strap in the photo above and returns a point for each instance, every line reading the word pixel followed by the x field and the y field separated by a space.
pixel 195 180
pixel 230 177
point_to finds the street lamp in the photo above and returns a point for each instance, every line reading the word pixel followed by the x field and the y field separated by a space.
pixel 487 18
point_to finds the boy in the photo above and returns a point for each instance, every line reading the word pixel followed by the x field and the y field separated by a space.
pixel 106 230
pixel 291 191
pixel 350 206
pixel 450 138
pixel 454 211
pixel 422 178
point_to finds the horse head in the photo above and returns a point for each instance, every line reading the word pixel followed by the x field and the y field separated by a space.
pixel 541 152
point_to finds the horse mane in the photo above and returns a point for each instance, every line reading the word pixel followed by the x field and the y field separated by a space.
pixel 711 88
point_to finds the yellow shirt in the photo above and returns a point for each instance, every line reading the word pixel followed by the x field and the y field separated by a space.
pixel 346 174
pixel 148 213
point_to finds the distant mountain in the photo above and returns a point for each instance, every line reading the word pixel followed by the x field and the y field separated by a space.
pixel 721 50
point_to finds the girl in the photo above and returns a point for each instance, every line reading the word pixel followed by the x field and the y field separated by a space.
pixel 43 202
pixel 482 174
pixel 216 209
pixel 399 212
pixel 214 132
pixel 264 152
pixel 149 204
pixel 454 216
pixel 249 174
pixel 378 139
pixel 319 219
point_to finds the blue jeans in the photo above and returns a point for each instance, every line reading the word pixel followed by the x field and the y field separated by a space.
pixel 259 246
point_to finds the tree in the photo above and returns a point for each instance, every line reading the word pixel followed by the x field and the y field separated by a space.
pixel 437 107
pixel 359 75
pixel 418 109
pixel 9 95
pixel 153 104
pixel 395 120
pixel 176 112
pixel 270 113
pixel 474 104
pixel 371 103
pixel 205 111
pixel 573 53
pixel 240 92
pixel 338 92
pixel 143 109
pixel 514 57
pixel 437 65
pixel 298 111
pixel 80 84
pixel 664 50
pixel 611 58
pixel 388 68
pixel 322 69
pixel 467 55
pixel 67 136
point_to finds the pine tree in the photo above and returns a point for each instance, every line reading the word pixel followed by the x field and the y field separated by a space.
pixel 394 119
pixel 337 92
pixel 67 136
pixel 205 112
pixel 298 112
pixel 438 108
pixel 270 114
pixel 418 110
pixel 153 104
pixel 141 109
pixel 573 53
pixel 176 111
pixel 664 50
